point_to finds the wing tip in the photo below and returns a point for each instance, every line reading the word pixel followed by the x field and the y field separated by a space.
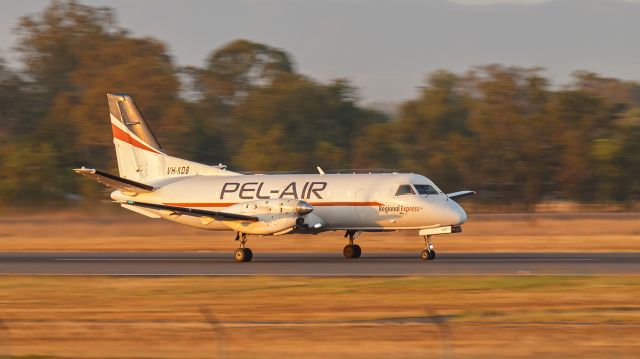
pixel 84 170
pixel 460 194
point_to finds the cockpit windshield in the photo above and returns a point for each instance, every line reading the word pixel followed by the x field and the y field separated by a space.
pixel 404 190
pixel 425 189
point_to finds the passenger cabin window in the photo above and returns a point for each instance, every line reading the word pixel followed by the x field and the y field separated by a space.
pixel 425 189
pixel 404 190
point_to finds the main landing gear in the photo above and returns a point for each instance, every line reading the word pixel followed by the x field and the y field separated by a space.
pixel 242 254
pixel 428 253
pixel 352 250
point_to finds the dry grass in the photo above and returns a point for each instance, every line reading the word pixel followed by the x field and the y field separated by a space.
pixel 264 317
pixel 126 231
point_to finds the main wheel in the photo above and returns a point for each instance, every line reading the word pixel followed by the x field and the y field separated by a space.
pixel 240 255
pixel 248 254
pixel 357 251
pixel 432 254
pixel 349 251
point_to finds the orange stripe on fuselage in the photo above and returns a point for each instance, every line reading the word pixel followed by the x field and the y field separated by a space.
pixel 316 204
pixel 346 204
pixel 125 137
pixel 196 204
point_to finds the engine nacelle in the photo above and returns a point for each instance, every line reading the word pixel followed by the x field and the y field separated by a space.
pixel 276 216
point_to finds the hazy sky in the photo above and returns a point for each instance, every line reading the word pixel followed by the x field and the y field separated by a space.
pixel 386 48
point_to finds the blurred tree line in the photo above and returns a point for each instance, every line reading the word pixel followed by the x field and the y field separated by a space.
pixel 505 131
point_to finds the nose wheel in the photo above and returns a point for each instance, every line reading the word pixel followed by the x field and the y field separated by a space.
pixel 428 253
pixel 242 254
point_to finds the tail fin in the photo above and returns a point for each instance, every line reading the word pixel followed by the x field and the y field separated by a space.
pixel 137 149
pixel 140 156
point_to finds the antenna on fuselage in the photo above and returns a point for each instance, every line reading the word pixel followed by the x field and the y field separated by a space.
pixel 320 171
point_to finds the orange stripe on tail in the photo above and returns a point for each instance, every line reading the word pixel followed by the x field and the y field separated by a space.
pixel 125 137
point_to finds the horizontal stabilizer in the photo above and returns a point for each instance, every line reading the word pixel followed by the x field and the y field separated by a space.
pixel 223 216
pixel 113 181
pixel 461 194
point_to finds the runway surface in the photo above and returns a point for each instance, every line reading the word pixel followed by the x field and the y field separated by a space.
pixel 318 264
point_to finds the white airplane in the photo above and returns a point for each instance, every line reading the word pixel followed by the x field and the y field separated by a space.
pixel 157 185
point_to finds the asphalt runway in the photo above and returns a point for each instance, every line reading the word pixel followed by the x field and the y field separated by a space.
pixel 318 264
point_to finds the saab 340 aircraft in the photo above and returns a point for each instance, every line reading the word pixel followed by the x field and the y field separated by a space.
pixel 157 185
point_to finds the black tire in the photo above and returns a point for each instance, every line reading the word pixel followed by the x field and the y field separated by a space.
pixel 240 255
pixel 432 254
pixel 424 255
pixel 348 251
pixel 357 251
pixel 248 254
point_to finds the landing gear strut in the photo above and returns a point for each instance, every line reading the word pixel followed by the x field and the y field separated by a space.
pixel 351 250
pixel 428 253
pixel 242 254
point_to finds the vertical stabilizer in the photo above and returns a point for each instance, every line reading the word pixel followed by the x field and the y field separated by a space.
pixel 138 151
pixel 140 156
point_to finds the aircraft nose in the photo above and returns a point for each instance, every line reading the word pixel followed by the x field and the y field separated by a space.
pixel 455 214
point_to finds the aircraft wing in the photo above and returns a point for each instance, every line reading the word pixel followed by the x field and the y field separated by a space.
pixel 461 194
pixel 195 212
pixel 113 181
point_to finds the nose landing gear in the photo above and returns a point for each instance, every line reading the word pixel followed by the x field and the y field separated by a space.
pixel 428 253
pixel 352 250
pixel 242 254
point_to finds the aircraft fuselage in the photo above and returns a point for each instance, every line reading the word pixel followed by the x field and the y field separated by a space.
pixel 340 201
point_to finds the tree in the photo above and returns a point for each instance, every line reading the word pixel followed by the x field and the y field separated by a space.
pixel 615 160
pixel 74 54
pixel 376 147
pixel 16 111
pixel 426 125
pixel 578 120
pixel 50 42
pixel 502 130
pixel 29 174
pixel 509 130
pixel 233 70
pixel 230 73
pixel 297 124
pixel 615 92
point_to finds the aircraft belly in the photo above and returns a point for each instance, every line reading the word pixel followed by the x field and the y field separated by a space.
pixel 349 217
pixel 334 217
pixel 196 222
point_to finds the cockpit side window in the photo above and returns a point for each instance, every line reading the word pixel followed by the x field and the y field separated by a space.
pixel 404 190
pixel 425 189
